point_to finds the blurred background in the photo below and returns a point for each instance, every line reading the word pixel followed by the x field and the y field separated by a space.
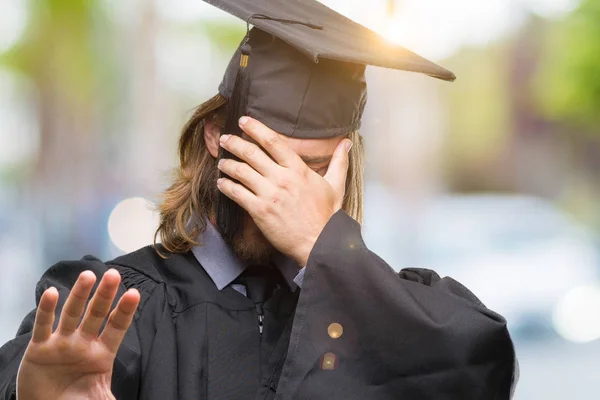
pixel 493 180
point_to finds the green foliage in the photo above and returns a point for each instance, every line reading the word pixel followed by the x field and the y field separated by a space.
pixel 60 47
pixel 568 85
pixel 478 104
pixel 478 118
pixel 224 35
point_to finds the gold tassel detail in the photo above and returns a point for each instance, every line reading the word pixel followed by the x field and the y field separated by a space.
pixel 244 60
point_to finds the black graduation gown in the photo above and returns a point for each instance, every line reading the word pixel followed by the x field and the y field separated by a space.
pixel 410 335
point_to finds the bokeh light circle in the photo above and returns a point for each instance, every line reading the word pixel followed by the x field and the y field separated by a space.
pixel 576 316
pixel 335 330
pixel 132 224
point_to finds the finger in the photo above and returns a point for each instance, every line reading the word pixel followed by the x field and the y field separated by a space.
pixel 338 168
pixel 75 304
pixel 250 153
pixel 271 142
pixel 245 174
pixel 120 320
pixel 238 193
pixel 44 317
pixel 99 306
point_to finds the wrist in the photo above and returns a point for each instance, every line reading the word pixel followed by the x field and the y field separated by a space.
pixel 306 245
pixel 303 252
pixel 101 388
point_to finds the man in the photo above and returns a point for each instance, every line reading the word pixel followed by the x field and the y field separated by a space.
pixel 262 287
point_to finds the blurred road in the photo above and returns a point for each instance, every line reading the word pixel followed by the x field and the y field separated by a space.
pixel 568 372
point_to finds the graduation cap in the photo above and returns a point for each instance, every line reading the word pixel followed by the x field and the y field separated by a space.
pixel 301 69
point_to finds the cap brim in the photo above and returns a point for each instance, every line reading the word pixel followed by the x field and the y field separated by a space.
pixel 319 32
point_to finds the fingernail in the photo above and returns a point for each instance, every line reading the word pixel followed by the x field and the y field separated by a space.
pixel 220 181
pixel 348 145
pixel 224 138
pixel 220 163
pixel 243 121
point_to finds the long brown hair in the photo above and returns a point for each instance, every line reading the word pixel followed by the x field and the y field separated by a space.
pixel 191 198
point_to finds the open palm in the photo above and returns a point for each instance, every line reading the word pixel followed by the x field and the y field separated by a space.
pixel 75 362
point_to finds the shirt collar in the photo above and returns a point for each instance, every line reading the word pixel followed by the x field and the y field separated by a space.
pixel 224 267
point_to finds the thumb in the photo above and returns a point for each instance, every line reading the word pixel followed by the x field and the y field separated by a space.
pixel 338 169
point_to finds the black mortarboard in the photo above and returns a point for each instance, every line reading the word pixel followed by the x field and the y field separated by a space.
pixel 301 72
pixel 303 65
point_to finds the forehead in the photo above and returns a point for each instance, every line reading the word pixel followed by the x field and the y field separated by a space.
pixel 312 147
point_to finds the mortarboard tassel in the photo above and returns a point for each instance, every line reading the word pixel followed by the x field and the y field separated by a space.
pixel 230 216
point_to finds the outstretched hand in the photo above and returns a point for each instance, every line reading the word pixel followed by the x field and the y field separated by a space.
pixel 75 361
pixel 289 202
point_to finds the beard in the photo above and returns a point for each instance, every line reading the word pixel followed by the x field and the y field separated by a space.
pixel 251 246
pixel 240 232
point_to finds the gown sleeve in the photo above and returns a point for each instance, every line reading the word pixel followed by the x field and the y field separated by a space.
pixel 362 330
pixel 62 276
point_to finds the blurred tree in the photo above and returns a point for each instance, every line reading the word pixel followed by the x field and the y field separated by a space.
pixel 567 89
pixel 65 52
pixel 524 118
pixel 568 84
pixel 100 104
pixel 479 119
pixel 223 35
